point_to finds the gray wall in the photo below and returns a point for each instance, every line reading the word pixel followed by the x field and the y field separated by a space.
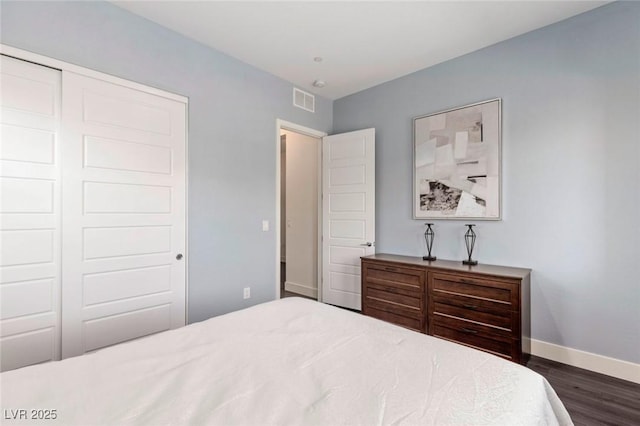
pixel 232 149
pixel 571 164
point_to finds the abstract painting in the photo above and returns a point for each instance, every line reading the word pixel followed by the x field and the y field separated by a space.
pixel 456 171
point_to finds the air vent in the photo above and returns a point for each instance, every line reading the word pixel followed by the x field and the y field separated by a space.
pixel 304 100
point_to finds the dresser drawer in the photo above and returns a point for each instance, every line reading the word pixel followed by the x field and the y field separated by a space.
pixel 501 346
pixel 471 327
pixel 470 302
pixel 394 277
pixel 395 303
pixel 501 319
pixel 480 289
pixel 415 323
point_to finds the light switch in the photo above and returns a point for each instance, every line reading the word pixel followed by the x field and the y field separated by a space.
pixel 265 225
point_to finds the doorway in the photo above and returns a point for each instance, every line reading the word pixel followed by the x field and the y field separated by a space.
pixel 300 204
pixel 298 228
pixel 344 219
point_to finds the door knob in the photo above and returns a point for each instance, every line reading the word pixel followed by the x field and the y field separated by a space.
pixel 179 256
pixel 367 244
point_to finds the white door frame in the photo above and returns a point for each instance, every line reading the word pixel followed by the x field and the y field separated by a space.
pixel 286 125
pixel 65 66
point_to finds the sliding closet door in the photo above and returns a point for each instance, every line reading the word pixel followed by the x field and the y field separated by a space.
pixel 124 214
pixel 29 214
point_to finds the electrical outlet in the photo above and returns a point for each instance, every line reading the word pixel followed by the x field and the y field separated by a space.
pixel 247 292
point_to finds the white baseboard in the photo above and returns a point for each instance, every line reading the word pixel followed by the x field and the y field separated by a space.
pixel 301 289
pixel 600 364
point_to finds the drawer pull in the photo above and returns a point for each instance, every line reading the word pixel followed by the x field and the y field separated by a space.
pixel 469 331
pixel 390 269
pixel 472 307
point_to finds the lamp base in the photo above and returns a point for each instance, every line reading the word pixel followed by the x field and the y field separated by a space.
pixel 469 262
pixel 429 258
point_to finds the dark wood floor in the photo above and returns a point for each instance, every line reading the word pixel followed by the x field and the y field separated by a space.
pixel 591 398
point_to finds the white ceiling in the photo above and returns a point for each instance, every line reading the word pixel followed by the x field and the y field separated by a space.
pixel 362 43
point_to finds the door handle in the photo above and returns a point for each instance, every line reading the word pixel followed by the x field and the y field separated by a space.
pixel 367 244
pixel 179 256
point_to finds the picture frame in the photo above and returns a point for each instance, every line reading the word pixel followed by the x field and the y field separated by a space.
pixel 457 164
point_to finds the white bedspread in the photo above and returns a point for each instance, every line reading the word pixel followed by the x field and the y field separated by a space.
pixel 288 362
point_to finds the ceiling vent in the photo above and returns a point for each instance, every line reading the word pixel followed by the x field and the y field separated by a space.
pixel 304 100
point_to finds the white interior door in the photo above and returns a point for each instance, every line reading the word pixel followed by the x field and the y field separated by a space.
pixel 124 214
pixel 348 214
pixel 29 214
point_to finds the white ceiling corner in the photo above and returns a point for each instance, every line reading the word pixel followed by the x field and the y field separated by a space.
pixel 362 43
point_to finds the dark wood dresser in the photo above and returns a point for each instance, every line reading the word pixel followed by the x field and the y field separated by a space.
pixel 482 306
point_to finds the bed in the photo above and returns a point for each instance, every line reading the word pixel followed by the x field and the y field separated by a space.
pixel 287 362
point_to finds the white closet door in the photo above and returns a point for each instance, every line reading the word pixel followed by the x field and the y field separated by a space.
pixel 124 214
pixel 29 214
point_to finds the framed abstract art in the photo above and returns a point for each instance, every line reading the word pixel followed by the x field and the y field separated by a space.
pixel 457 163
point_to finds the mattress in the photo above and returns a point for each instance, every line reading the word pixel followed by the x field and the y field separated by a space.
pixel 287 362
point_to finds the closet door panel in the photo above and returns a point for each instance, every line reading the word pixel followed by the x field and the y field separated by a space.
pixel 27 145
pixel 124 221
pixel 26 298
pixel 102 153
pixel 31 347
pixel 30 214
pixel 111 329
pixel 25 247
